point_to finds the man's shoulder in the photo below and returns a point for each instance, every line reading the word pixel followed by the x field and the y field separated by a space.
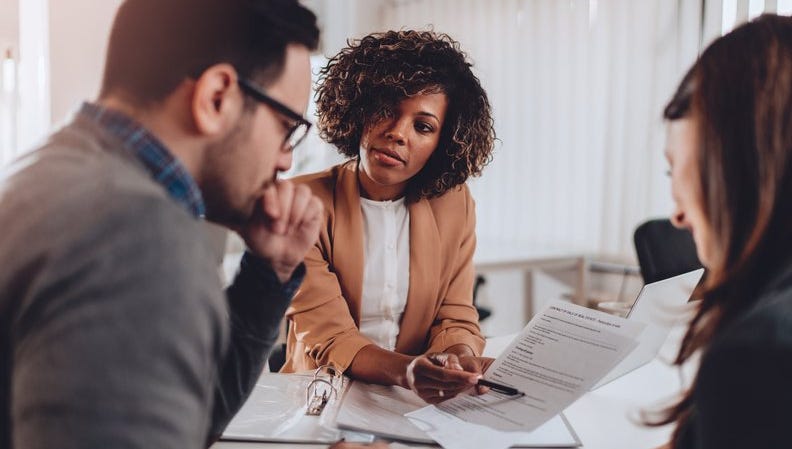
pixel 75 186
pixel 80 175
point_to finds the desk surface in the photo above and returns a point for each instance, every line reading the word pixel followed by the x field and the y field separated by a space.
pixel 607 418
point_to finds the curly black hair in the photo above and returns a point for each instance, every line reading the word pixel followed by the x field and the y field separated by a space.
pixel 365 82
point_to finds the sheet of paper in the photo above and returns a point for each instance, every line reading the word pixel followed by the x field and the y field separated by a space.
pixel 453 433
pixel 556 359
pixel 380 410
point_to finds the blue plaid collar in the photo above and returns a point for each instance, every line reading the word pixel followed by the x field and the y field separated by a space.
pixel 163 167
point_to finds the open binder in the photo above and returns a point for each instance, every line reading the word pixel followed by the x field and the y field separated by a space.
pixel 276 411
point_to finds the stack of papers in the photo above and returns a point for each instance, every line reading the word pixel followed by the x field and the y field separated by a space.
pixel 556 359
pixel 381 410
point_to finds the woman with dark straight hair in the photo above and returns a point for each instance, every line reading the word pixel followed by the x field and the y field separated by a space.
pixel 730 151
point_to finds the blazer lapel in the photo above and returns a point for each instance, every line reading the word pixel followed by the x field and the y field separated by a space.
pixel 347 237
pixel 425 259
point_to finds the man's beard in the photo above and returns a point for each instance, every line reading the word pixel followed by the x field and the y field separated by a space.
pixel 221 206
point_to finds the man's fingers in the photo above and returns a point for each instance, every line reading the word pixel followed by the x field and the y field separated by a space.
pixel 314 212
pixel 301 200
pixel 270 202
pixel 285 197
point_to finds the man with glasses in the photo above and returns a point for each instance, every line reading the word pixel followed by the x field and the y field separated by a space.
pixel 114 328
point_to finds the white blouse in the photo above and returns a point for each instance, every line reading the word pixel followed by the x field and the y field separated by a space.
pixel 386 272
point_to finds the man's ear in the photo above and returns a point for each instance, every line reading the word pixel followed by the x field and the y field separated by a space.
pixel 217 100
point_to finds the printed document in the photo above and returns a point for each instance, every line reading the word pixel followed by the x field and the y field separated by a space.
pixel 381 410
pixel 556 359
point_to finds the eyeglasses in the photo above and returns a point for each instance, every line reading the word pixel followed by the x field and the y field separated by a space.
pixel 297 131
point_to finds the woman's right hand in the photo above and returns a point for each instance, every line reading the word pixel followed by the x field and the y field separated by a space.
pixel 439 376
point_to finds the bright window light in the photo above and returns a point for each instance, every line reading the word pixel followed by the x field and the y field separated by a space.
pixel 755 8
pixel 784 7
pixel 729 15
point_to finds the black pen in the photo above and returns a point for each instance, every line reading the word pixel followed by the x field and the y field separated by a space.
pixel 500 388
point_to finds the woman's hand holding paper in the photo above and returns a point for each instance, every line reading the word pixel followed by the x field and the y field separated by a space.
pixel 440 376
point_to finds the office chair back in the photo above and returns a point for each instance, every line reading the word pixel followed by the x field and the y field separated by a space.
pixel 664 251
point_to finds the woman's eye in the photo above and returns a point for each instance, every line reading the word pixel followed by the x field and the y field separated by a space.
pixel 423 127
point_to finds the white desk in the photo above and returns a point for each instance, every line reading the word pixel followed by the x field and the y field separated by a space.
pixel 603 419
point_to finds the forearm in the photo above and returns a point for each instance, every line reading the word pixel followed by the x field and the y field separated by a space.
pixel 461 350
pixel 257 301
pixel 373 364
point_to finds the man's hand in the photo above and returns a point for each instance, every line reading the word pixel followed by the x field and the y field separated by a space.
pixel 439 376
pixel 284 226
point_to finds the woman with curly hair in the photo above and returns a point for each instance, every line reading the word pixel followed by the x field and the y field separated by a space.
pixel 387 296
pixel 730 151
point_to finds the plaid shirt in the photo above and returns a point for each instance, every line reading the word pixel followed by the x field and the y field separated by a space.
pixel 163 167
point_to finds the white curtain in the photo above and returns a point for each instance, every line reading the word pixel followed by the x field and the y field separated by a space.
pixel 24 80
pixel 577 88
pixel 8 104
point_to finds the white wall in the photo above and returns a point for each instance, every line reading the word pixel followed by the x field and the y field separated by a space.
pixel 9 23
pixel 79 30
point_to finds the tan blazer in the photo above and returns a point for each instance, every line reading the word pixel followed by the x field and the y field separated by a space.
pixel 325 313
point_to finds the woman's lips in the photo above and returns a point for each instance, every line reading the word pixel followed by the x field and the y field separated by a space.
pixel 386 158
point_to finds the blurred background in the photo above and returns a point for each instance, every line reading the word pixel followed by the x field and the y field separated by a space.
pixel 577 88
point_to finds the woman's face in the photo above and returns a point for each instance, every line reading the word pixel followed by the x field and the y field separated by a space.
pixel 397 148
pixel 681 152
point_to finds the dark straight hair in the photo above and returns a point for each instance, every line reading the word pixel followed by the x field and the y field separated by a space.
pixel 739 94
pixel 156 44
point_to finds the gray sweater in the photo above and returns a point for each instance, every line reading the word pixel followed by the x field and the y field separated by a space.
pixel 114 328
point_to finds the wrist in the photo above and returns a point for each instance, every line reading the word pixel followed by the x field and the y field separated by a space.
pixel 401 378
pixel 282 271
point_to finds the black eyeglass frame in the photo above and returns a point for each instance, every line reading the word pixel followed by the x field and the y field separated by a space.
pixel 299 121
